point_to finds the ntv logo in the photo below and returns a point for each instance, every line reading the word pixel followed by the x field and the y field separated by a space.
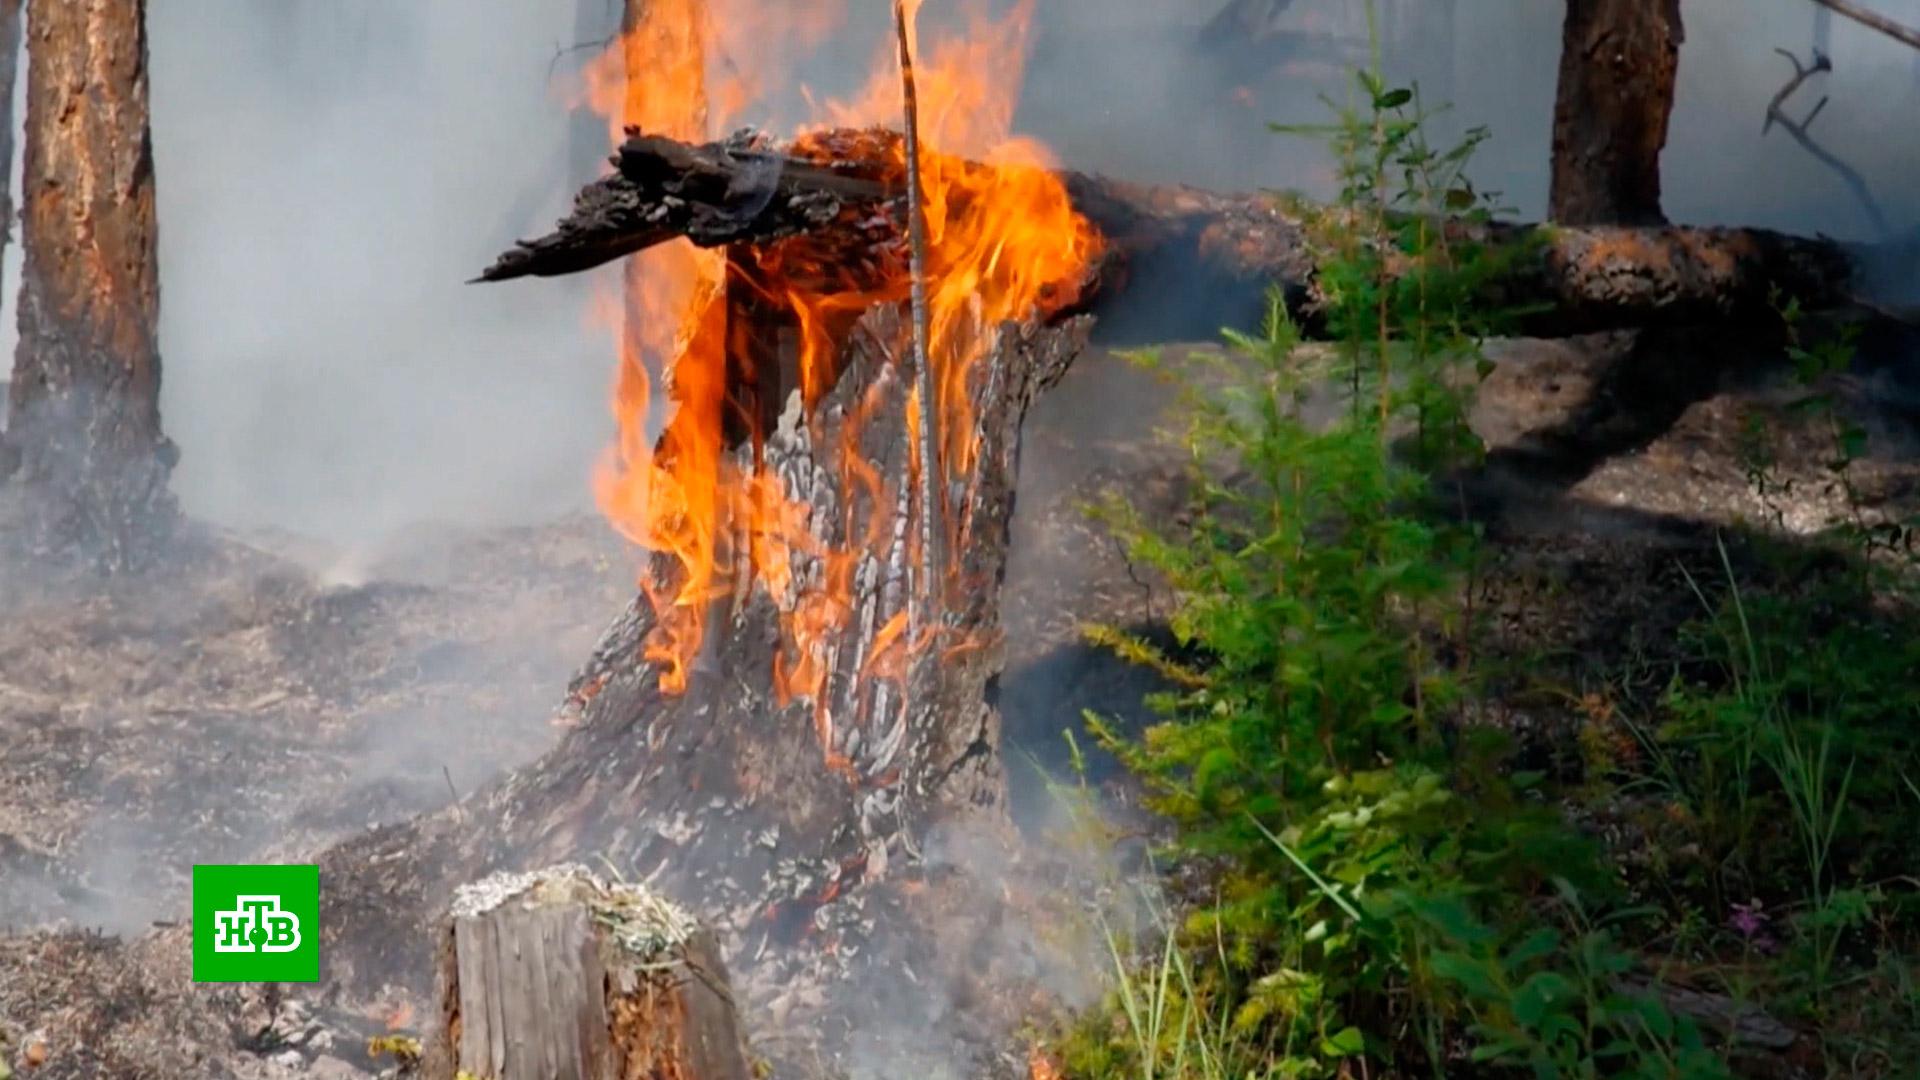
pixel 256 924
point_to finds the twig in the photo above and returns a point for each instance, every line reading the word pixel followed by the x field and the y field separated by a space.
pixel 932 565
pixel 1798 130
pixel 458 813
pixel 560 52
pixel 1906 35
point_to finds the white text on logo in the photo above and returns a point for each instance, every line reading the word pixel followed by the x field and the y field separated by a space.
pixel 256 924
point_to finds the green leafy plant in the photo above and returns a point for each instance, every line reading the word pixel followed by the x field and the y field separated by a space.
pixel 1316 748
pixel 1558 999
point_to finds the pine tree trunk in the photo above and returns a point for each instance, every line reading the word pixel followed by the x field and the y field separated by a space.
pixel 1618 63
pixel 85 408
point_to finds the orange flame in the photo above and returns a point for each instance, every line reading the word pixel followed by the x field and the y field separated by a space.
pixel 1041 1065
pixel 1003 243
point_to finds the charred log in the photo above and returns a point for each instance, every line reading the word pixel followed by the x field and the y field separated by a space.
pixel 1618 63
pixel 84 414
pixel 844 192
pixel 739 191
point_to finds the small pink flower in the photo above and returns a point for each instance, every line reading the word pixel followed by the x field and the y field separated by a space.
pixel 1750 922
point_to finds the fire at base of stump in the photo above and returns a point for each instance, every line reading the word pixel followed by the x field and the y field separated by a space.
pixel 559 975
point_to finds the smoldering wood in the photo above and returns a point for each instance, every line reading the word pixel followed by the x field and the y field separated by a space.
pixel 84 410
pixel 1570 280
pixel 723 797
pixel 738 191
pixel 558 975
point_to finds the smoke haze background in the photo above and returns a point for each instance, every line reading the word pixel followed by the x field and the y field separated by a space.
pixel 331 171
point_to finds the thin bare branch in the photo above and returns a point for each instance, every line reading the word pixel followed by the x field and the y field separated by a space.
pixel 1797 129
pixel 561 52
pixel 933 567
pixel 1906 35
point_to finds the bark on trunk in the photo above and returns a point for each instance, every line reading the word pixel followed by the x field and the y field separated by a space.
pixel 85 408
pixel 795 826
pixel 1618 62
pixel 1208 255
pixel 557 975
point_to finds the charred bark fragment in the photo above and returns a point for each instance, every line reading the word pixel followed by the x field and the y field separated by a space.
pixel 1573 280
pixel 739 190
pixel 85 402
pixel 1618 63
pixel 724 797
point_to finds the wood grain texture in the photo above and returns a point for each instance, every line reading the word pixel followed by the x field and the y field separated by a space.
pixel 555 977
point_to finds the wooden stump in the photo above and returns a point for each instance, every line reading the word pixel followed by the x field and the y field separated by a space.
pixel 557 975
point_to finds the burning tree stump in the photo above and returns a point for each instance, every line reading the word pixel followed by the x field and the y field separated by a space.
pixel 786 793
pixel 557 975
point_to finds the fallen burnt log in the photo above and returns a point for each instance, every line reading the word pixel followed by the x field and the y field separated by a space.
pixel 1223 250
pixel 793 822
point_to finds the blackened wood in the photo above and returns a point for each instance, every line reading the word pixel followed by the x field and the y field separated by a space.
pixel 1618 63
pixel 740 190
pixel 792 825
pixel 1573 280
pixel 85 408
pixel 761 367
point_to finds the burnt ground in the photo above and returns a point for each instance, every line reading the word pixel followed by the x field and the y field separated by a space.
pixel 258 696
pixel 256 700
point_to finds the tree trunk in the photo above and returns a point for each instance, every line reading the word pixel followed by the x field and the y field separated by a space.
pixel 85 409
pixel 793 819
pixel 1618 62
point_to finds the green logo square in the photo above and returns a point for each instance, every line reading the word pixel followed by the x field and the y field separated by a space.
pixel 256 924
